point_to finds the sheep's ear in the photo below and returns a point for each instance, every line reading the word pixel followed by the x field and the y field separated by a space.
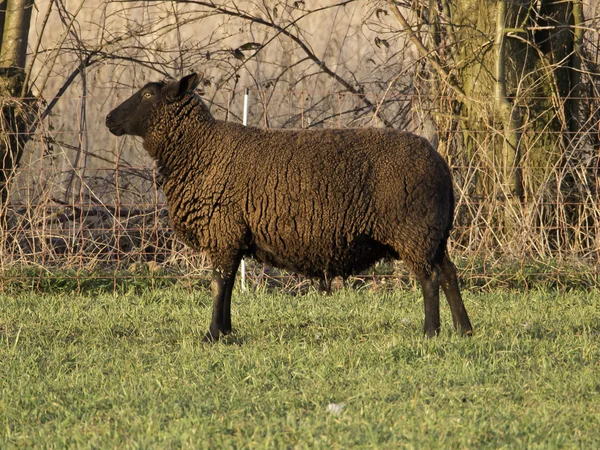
pixel 180 88
pixel 188 83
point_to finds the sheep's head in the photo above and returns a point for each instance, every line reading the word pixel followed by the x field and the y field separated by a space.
pixel 134 114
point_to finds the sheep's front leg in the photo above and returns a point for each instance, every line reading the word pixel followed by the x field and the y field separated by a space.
pixel 223 278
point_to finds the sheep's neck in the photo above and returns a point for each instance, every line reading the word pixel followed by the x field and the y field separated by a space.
pixel 181 130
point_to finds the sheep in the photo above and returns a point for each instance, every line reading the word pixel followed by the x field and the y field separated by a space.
pixel 319 202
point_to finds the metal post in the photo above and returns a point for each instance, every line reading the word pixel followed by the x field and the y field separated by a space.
pixel 245 122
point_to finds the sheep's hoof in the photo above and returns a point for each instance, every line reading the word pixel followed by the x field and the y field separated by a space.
pixel 211 337
pixel 432 333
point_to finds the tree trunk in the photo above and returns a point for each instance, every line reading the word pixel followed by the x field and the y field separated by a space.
pixel 512 174
pixel 16 113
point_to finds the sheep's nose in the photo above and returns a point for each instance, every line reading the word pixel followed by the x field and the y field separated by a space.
pixel 108 116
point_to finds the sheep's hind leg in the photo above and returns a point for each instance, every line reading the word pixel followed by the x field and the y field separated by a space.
pixel 222 282
pixel 430 284
pixel 449 284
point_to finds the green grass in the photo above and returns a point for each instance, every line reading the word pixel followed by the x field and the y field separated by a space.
pixel 130 371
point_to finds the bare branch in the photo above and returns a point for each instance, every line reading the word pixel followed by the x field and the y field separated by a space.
pixel 285 31
pixel 431 57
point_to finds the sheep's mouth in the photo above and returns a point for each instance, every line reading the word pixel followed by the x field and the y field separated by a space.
pixel 114 128
pixel 117 131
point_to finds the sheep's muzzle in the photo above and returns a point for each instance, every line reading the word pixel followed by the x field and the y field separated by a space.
pixel 114 127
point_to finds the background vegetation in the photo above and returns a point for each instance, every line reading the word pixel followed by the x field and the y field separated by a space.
pixel 507 91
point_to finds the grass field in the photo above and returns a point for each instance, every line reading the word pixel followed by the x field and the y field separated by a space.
pixel 348 370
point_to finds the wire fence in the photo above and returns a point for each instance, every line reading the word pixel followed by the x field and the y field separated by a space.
pixel 86 209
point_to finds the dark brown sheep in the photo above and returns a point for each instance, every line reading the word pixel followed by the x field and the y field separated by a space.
pixel 322 203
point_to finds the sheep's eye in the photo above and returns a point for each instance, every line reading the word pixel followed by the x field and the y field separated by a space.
pixel 147 94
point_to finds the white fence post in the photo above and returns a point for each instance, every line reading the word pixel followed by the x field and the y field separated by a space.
pixel 245 122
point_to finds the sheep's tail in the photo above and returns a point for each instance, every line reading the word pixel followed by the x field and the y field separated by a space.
pixel 441 252
pixel 450 213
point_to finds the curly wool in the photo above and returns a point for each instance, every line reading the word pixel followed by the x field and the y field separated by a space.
pixel 323 202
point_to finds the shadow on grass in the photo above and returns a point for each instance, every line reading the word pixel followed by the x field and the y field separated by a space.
pixel 474 274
